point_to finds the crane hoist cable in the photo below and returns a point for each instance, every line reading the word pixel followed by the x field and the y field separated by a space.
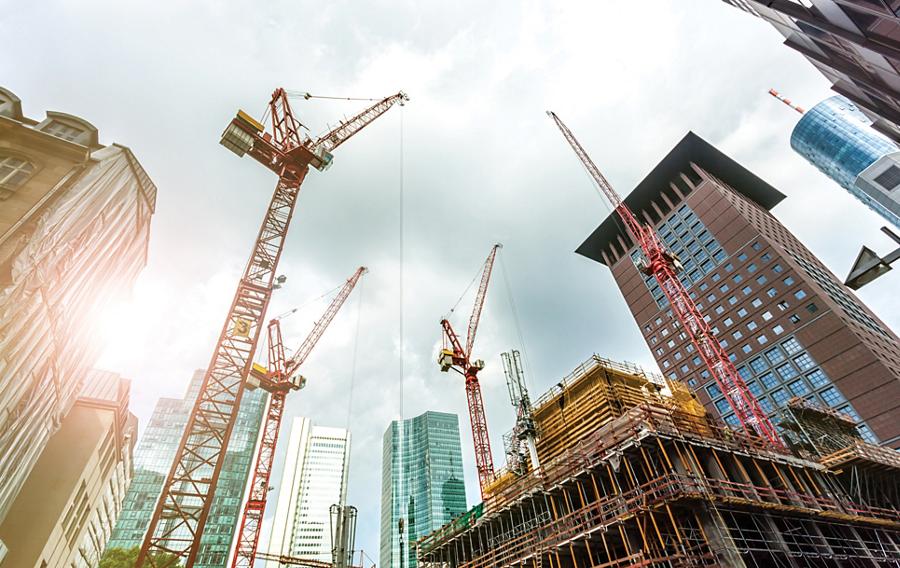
pixel 307 96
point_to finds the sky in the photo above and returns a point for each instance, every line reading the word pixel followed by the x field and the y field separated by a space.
pixel 420 196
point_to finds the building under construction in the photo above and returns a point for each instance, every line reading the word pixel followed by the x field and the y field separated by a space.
pixel 634 472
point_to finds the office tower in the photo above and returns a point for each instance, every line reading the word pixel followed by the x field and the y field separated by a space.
pixel 421 482
pixel 852 42
pixel 314 479
pixel 152 461
pixel 790 326
pixel 66 509
pixel 834 137
pixel 74 226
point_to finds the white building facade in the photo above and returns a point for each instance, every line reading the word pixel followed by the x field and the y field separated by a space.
pixel 314 479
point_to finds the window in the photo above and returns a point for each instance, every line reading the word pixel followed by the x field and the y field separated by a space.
pixel 769 380
pixel 889 178
pixel 722 406
pixel 728 321
pixel 737 334
pixel 746 348
pixel 719 310
pixel 758 365
pixel 737 278
pixel 719 255
pixel 744 373
pixel 742 257
pixel 766 257
pixel 14 172
pixel 791 345
pixel 812 307
pixel 777 268
pixel 713 391
pixel 696 360
pixel 780 397
pixel 756 246
pixel 742 312
pixel 761 279
pixel 774 355
pixel 832 397
pixel 795 318
pixel 782 305
pixel 666 364
pixel 685 369
pixel 64 131
pixel 767 315
pixel 678 355
pixel 751 268
pixel 788 281
pixel 804 361
pixel 723 343
pixel 670 343
pixel 778 329
pixel 751 325
pixel 756 302
pixel 746 290
pixel 787 372
pixel 762 339
pixel 800 294
pixel 729 267
pixel 723 288
pixel 716 277
pixel 754 388
pixel 711 298
pixel 771 292
pixel 817 378
pixel 799 388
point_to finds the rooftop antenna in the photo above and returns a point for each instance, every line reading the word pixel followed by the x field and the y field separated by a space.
pixel 786 101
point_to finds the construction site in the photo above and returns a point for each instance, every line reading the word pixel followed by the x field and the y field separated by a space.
pixel 635 472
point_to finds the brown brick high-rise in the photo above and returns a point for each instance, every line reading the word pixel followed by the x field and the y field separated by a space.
pixel 791 327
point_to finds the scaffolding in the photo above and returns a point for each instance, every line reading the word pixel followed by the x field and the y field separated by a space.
pixel 639 475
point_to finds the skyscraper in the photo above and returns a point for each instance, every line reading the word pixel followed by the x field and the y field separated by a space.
pixel 835 137
pixel 69 503
pixel 74 226
pixel 790 326
pixel 314 479
pixel 852 42
pixel 421 482
pixel 153 459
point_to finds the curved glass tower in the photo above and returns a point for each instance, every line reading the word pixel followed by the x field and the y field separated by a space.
pixel 835 137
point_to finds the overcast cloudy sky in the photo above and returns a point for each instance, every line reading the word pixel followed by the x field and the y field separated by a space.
pixel 481 163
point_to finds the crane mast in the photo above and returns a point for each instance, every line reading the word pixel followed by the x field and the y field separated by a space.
pixel 662 265
pixel 455 356
pixel 173 535
pixel 278 381
pixel 524 433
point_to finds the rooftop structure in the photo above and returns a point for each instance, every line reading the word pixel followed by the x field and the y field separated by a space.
pixel 642 475
pixel 74 227
pixel 789 325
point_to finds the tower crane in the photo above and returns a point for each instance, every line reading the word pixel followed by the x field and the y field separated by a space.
pixel 663 265
pixel 454 356
pixel 173 535
pixel 525 430
pixel 278 380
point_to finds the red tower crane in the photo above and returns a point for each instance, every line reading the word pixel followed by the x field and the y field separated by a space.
pixel 663 265
pixel 454 356
pixel 280 378
pixel 177 524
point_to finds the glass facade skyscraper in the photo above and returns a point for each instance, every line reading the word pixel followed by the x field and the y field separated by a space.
pixel 836 137
pixel 152 461
pixel 422 482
